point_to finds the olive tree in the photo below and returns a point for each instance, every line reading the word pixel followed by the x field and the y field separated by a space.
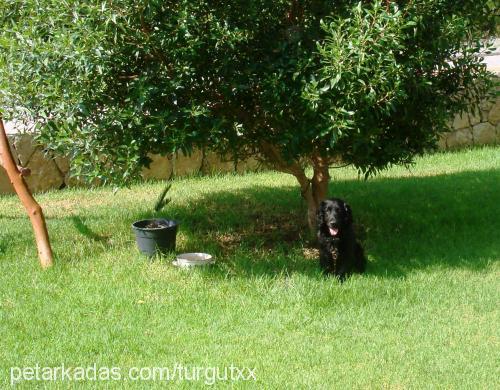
pixel 304 84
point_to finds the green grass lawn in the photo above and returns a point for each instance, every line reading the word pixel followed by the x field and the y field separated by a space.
pixel 425 314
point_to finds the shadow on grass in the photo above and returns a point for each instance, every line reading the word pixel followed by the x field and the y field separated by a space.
pixel 85 230
pixel 3 244
pixel 411 223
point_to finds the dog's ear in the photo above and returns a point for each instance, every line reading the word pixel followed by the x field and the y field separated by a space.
pixel 348 213
pixel 319 214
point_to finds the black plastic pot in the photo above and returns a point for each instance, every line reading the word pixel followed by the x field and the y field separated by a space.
pixel 155 236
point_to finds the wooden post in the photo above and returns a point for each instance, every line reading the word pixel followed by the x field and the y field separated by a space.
pixel 32 207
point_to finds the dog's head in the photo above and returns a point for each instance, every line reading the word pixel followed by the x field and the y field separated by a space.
pixel 334 216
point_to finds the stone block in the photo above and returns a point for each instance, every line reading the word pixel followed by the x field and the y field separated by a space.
pixel 486 105
pixel 442 141
pixel 494 115
pixel 484 116
pixel 24 146
pixel 44 173
pixel 475 118
pixel 214 163
pixel 63 164
pixel 161 168
pixel 459 138
pixel 5 186
pixel 461 121
pixel 12 150
pixel 484 133
pixel 250 164
pixel 187 165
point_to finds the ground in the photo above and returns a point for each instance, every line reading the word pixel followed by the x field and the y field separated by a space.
pixel 424 315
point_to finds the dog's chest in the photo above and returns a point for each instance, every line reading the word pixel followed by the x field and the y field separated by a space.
pixel 334 254
pixel 334 251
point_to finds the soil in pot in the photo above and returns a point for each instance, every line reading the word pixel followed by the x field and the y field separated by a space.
pixel 155 225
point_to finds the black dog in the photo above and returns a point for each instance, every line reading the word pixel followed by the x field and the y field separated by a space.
pixel 340 253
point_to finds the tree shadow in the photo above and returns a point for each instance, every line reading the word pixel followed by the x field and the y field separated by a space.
pixel 84 229
pixel 411 223
pixel 443 221
pixel 3 244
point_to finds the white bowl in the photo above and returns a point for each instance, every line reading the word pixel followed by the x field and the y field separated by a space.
pixel 193 259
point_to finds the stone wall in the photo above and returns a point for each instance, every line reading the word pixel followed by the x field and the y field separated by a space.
pixel 53 173
pixel 480 128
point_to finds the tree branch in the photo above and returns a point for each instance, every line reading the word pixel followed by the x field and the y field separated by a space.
pixel 273 155
pixel 33 209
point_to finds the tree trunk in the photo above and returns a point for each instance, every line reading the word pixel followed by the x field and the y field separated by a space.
pixel 313 190
pixel 32 207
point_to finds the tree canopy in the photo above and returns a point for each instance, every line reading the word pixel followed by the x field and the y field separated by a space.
pixel 300 82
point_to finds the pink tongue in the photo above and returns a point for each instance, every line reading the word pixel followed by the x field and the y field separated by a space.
pixel 333 231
